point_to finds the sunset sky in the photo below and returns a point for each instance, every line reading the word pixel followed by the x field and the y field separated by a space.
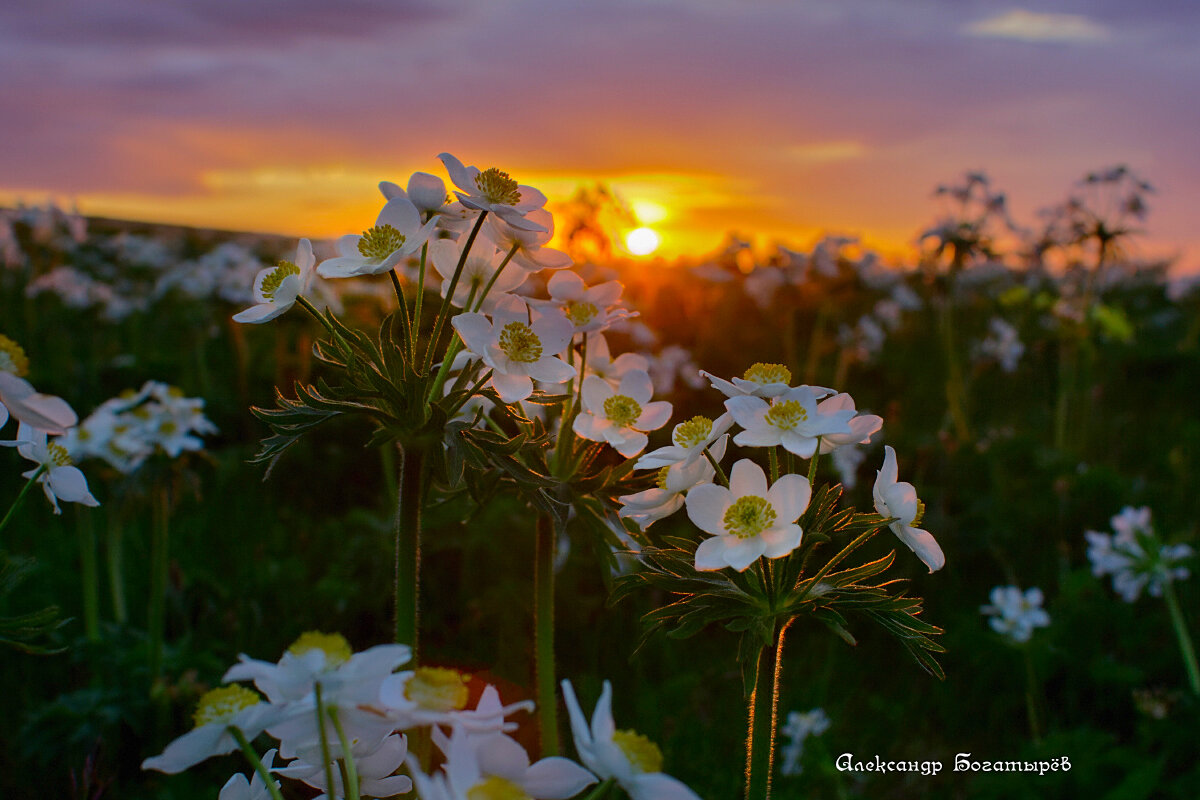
pixel 775 119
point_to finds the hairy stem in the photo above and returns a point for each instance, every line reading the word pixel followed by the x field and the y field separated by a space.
pixel 543 588
pixel 408 548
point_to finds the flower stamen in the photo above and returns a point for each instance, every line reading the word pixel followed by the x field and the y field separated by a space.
pixel 749 516
pixel 496 788
pixel 438 689
pixel 693 432
pixel 580 312
pixel 380 242
pixel 12 357
pixel 497 187
pixel 622 410
pixel 786 415
pixel 520 343
pixel 768 373
pixel 222 703
pixel 335 647
pixel 270 284
pixel 644 755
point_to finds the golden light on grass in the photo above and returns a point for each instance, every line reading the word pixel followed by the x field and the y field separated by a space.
pixel 641 241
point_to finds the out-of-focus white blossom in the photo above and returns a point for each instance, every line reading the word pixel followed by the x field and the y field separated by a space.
pixel 1015 614
pixel 1135 557
pixel 798 727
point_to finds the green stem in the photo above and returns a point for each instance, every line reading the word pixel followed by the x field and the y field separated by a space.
pixel 492 280
pixel 350 784
pixel 89 577
pixel 1031 693
pixel 416 315
pixel 543 621
pixel 812 463
pixel 21 496
pixel 255 762
pixel 763 715
pixel 325 756
pixel 406 330
pixel 408 548
pixel 311 309
pixel 1181 633
pixel 833 562
pixel 773 461
pixel 114 552
pixel 444 310
pixel 719 472
pixel 601 789
pixel 159 565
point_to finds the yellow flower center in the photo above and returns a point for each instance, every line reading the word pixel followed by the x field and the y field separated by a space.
pixel 661 479
pixel 168 428
pixel 520 343
pixel 222 703
pixel 12 357
pixel 335 647
pixel 693 432
pixel 580 313
pixel 380 242
pixel 643 754
pixel 749 516
pixel 497 187
pixel 916 520
pixel 58 454
pixel 175 391
pixel 438 689
pixel 622 410
pixel 497 788
pixel 270 284
pixel 786 415
pixel 768 373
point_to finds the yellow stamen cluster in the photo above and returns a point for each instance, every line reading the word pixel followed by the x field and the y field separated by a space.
pixel 270 284
pixel 497 187
pixel 12 357
pixel 222 703
pixel 335 647
pixel 768 373
pixel 58 454
pixel 438 689
pixel 496 788
pixel 660 479
pixel 580 312
pixel 693 432
pixel 749 517
pixel 622 410
pixel 787 414
pixel 916 520
pixel 380 242
pixel 520 343
pixel 643 754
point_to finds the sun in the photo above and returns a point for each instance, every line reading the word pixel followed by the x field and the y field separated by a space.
pixel 641 241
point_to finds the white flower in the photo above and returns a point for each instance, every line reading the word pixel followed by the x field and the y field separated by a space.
pixel 482 262
pixel 518 350
pixel 1014 613
pixel 238 788
pixel 792 419
pixel 1135 557
pixel 760 380
pixel 493 190
pixel 862 426
pixel 601 363
pixel 60 480
pixel 690 440
pixel 426 192
pixel 438 696
pixel 846 460
pixel 798 728
pixel 621 417
pixel 748 520
pixel 397 234
pixel 531 253
pixel 588 309
pixel 18 397
pixel 899 499
pixel 276 288
pixel 376 764
pixel 629 758
pixel 646 508
pixel 219 710
pixel 1003 344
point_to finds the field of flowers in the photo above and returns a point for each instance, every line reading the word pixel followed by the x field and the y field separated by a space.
pixel 440 510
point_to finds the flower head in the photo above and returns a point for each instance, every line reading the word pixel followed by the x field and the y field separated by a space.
pixel 495 191
pixel 60 480
pixel 674 480
pixel 219 710
pixel 587 308
pixel 531 253
pixel 276 288
pixel 18 397
pixel 1135 557
pixel 621 416
pixel 748 520
pixel 792 419
pixel 1015 614
pixel 397 234
pixel 898 499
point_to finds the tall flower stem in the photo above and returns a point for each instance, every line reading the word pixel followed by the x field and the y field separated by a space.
pixel 115 557
pixel 956 390
pixel 159 564
pixel 543 633
pixel 444 309
pixel 21 496
pixel 1031 695
pixel 408 547
pixel 1181 633
pixel 322 731
pixel 88 576
pixel 350 784
pixel 763 714
pixel 255 762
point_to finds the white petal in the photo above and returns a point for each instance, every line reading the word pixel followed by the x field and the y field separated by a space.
pixel 659 786
pixel 69 484
pixel 653 416
pixel 706 507
pixel 512 388
pixel 924 545
pixel 789 497
pixel 747 478
pixel 710 554
pixel 778 542
pixel 556 778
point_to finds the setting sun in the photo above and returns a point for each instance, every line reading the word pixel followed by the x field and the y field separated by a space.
pixel 641 241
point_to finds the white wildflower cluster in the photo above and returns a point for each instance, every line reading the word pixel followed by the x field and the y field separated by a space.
pixel 336 714
pixel 1135 557
pixel 798 727
pixel 126 430
pixel 749 519
pixel 1002 344
pixel 1014 613
pixel 79 290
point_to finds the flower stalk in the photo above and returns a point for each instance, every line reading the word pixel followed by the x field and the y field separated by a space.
pixel 255 762
pixel 89 577
pixel 407 531
pixel 543 624
pixel 763 712
pixel 21 496
pixel 1181 634
pixel 159 566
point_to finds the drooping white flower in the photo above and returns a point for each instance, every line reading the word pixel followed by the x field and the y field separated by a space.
pixel 276 288
pixel 493 190
pixel 622 416
pixel 748 520
pixel 792 419
pixel 219 710
pixel 238 788
pixel 862 426
pixel 531 254
pixel 478 270
pixel 59 479
pixel 1015 614
pixel 18 397
pixel 674 480
pixel 629 758
pixel 898 499
pixel 518 350
pixel 397 234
